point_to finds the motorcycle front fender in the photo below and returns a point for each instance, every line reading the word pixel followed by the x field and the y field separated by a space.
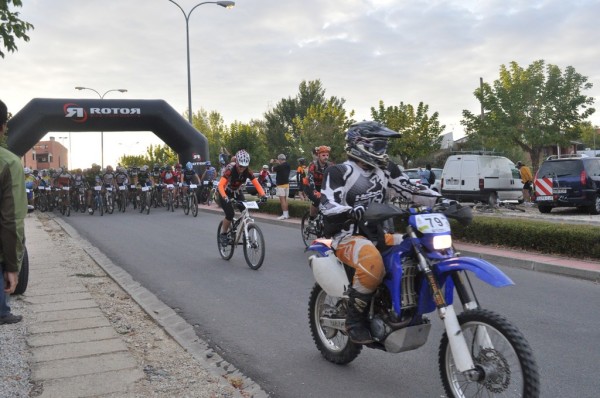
pixel 483 269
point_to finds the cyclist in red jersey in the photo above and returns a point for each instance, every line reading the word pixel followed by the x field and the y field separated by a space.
pixel 168 178
pixel 314 178
pixel 234 177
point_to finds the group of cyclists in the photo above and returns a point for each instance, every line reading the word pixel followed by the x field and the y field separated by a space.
pixel 47 189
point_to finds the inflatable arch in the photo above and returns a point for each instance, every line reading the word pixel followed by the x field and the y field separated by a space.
pixel 43 115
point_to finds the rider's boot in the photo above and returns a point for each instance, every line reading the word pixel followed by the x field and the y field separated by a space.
pixel 357 324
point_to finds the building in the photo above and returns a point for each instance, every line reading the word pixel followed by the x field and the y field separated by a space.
pixel 46 155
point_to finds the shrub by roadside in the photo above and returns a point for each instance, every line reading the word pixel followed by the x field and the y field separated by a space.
pixel 570 240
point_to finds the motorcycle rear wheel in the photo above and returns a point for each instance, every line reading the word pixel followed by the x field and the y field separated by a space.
pixel 509 368
pixel 334 345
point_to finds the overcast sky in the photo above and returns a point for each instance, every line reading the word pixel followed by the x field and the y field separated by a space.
pixel 244 60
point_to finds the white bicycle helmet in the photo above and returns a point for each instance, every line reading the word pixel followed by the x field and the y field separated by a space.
pixel 242 158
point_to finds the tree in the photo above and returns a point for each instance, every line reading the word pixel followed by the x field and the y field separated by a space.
pixel 323 125
pixel 160 154
pixel 281 127
pixel 214 129
pixel 590 135
pixel 420 132
pixel 531 108
pixel 12 26
pixel 248 137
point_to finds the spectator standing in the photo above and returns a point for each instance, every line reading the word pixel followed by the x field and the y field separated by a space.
pixel 526 179
pixel 13 208
pixel 301 174
pixel 425 175
pixel 282 181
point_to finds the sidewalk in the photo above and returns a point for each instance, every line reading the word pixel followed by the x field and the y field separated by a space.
pixel 87 337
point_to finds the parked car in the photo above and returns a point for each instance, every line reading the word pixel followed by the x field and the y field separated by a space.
pixel 293 185
pixel 568 181
pixel 481 178
pixel 413 174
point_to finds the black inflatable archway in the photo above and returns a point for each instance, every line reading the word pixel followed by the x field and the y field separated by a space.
pixel 42 115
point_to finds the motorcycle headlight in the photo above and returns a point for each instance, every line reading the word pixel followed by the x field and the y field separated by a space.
pixel 442 242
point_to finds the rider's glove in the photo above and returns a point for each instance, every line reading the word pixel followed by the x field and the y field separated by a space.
pixel 357 212
pixel 225 199
pixel 317 194
pixel 263 199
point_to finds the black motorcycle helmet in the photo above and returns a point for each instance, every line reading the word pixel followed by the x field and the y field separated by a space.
pixel 367 142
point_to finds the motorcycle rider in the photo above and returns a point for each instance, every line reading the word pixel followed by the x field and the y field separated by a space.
pixel 346 192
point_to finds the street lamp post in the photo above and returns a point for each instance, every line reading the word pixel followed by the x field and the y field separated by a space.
pixel 226 4
pixel 121 90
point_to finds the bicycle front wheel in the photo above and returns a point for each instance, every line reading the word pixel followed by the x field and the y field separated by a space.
pixel 110 204
pixel 254 247
pixel 186 204
pixel 309 232
pixel 194 205
pixel 225 248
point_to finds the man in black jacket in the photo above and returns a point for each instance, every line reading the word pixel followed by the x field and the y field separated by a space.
pixel 282 181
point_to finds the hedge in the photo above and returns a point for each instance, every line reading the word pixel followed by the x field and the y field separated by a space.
pixel 571 240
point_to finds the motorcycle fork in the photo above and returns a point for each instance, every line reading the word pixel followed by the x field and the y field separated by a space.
pixel 465 291
pixel 458 345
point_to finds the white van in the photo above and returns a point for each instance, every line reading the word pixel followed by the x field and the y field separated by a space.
pixel 481 178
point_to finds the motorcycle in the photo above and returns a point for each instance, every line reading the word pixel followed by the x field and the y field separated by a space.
pixel 480 354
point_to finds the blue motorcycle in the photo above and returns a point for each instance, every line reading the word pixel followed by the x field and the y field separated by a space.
pixel 480 354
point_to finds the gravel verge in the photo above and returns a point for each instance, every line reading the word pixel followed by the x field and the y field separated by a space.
pixel 170 370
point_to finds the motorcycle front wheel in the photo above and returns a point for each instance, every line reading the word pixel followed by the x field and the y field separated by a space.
pixel 334 345
pixel 501 354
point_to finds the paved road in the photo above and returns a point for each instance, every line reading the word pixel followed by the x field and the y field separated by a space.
pixel 258 319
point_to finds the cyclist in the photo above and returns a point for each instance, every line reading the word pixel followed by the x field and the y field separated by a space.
pixel 314 178
pixel 78 184
pixel 230 187
pixel 30 184
pixel 121 176
pixel 177 175
pixel 122 180
pixel 144 178
pixel 168 177
pixel 209 175
pixel 188 176
pixel 156 173
pixel 263 176
pixel 64 179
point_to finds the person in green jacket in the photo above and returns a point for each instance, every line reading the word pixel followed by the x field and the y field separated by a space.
pixel 13 209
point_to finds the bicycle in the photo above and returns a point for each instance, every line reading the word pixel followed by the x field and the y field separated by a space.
pixel 97 201
pixel 311 229
pixel 132 196
pixel 144 199
pixel 41 202
pixel 65 201
pixel 109 200
pixel 190 201
pixel 170 198
pixel 206 192
pixel 245 229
